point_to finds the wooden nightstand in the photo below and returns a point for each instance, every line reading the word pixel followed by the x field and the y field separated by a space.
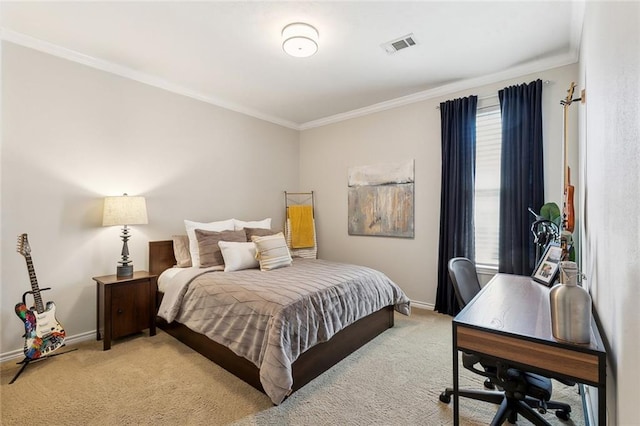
pixel 125 305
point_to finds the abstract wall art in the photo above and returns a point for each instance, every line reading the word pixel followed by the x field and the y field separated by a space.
pixel 381 199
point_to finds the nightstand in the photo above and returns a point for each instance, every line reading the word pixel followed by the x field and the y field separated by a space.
pixel 125 305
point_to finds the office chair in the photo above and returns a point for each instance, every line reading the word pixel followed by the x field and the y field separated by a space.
pixel 520 392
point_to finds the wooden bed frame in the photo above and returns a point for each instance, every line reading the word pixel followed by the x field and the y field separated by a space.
pixel 309 364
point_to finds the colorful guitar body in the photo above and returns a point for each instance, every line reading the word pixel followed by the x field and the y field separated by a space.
pixel 43 332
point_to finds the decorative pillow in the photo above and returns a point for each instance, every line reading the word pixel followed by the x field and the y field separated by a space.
pixel 181 251
pixel 264 224
pixel 272 252
pixel 238 256
pixel 223 225
pixel 258 232
pixel 210 254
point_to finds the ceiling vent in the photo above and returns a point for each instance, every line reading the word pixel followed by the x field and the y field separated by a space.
pixel 398 44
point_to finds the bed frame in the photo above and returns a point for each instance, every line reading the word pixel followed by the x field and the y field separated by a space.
pixel 309 364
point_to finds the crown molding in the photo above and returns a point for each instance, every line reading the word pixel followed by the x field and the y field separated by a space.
pixel 571 57
pixel 100 64
pixel 458 86
pixel 568 58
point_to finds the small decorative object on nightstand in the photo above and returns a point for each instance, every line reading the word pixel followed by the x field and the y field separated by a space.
pixel 125 305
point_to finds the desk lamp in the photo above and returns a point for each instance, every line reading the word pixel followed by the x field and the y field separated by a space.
pixel 124 211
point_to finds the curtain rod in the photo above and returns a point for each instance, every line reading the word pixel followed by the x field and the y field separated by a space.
pixel 495 95
pixel 480 98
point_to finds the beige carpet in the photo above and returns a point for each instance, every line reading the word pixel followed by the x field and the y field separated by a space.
pixel 393 380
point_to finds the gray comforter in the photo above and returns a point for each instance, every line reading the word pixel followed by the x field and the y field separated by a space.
pixel 270 318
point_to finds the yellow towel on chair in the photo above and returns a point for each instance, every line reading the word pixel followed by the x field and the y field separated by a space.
pixel 301 218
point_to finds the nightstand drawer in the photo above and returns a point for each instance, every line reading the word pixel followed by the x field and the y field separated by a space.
pixel 129 308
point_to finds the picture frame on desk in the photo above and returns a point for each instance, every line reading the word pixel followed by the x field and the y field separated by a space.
pixel 546 271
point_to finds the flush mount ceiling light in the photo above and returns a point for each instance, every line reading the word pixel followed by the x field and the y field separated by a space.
pixel 300 40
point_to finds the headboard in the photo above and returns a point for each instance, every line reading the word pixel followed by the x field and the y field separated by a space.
pixel 161 256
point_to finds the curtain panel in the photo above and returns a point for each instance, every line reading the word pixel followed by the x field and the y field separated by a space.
pixel 458 123
pixel 522 175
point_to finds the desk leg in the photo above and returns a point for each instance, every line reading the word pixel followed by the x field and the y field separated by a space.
pixel 456 407
pixel 602 405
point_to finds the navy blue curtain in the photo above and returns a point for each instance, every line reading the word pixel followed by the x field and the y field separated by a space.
pixel 522 175
pixel 458 122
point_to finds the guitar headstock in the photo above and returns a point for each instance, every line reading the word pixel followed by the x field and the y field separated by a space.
pixel 569 97
pixel 23 245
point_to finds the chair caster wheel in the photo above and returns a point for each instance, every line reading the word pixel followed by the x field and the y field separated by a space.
pixel 445 398
pixel 563 415
pixel 489 385
pixel 542 409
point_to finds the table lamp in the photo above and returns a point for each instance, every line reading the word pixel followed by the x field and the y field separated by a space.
pixel 124 211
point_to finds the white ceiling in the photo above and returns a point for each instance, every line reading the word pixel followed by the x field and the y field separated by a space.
pixel 229 53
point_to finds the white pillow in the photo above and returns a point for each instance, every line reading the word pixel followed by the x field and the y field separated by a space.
pixel 272 251
pixel 241 224
pixel 223 225
pixel 238 256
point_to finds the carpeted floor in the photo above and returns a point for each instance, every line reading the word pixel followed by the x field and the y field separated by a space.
pixel 394 380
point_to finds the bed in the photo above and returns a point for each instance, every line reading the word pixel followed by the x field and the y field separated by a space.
pixel 296 360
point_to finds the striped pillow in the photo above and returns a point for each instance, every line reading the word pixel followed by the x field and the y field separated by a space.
pixel 272 251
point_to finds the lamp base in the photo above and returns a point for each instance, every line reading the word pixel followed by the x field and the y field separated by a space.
pixel 124 271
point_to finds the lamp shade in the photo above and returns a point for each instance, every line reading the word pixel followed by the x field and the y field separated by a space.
pixel 124 210
pixel 300 40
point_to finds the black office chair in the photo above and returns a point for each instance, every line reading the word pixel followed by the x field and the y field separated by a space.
pixel 520 392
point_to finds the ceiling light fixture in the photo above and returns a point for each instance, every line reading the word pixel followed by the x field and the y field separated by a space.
pixel 300 40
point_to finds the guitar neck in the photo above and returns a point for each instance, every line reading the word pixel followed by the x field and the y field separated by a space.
pixel 565 141
pixel 34 284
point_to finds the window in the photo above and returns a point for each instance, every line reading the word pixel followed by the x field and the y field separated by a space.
pixel 487 185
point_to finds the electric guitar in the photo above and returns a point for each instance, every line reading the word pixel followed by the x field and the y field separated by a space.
pixel 568 211
pixel 43 333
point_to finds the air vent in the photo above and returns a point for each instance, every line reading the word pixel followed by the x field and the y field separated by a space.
pixel 398 44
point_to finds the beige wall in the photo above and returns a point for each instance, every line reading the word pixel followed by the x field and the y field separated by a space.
pixel 408 132
pixel 72 134
pixel 610 156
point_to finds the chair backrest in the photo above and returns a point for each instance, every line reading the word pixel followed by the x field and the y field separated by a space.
pixel 465 279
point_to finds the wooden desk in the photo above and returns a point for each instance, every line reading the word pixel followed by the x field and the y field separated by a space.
pixel 510 320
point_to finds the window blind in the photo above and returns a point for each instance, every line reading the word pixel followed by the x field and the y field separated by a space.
pixel 487 184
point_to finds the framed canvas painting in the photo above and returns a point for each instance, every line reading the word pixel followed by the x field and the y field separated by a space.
pixel 381 200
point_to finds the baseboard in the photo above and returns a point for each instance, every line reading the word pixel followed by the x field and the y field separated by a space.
pixel 69 340
pixel 422 305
